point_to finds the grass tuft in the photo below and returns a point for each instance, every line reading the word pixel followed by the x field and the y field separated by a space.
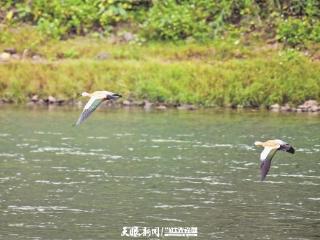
pixel 220 73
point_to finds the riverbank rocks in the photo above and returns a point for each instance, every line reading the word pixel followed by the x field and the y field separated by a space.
pixel 34 98
pixel 309 106
pixel 147 105
pixel 15 56
pixel 161 107
pixel 5 57
pixel 127 37
pixel 131 103
pixel 286 108
pixel 37 58
pixel 187 107
pixel 121 37
pixel 9 54
pixel 275 107
pixel 138 103
pixel 50 100
pixel 127 103
pixel 103 56
pixel 10 50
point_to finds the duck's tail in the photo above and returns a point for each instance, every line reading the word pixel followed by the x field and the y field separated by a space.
pixel 85 94
pixel 258 143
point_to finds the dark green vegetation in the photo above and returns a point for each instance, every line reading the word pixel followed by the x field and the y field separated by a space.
pixel 217 74
pixel 223 53
pixel 292 22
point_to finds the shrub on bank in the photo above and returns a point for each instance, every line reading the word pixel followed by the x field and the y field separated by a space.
pixel 285 78
pixel 294 21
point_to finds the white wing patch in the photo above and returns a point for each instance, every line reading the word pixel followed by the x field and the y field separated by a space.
pixel 267 153
pixel 89 103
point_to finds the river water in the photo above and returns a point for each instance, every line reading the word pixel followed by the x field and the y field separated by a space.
pixel 125 168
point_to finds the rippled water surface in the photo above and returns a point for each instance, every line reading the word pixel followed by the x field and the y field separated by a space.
pixel 156 169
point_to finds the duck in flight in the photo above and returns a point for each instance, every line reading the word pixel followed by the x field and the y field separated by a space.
pixel 96 98
pixel 270 148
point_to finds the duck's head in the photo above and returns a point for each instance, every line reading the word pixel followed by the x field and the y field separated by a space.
pixel 113 96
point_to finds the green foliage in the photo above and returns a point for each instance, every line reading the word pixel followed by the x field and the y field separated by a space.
pixel 58 18
pixel 21 38
pixel 227 70
pixel 295 22
pixel 169 20
pixel 295 32
pixel 70 53
pixel 175 73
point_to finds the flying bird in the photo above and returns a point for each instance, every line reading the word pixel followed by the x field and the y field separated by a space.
pixel 96 98
pixel 270 148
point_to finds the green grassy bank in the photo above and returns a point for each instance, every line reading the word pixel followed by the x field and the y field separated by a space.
pixel 221 73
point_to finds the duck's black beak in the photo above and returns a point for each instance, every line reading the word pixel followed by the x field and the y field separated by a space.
pixel 116 95
pixel 291 150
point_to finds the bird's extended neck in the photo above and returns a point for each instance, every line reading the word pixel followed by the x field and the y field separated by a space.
pixel 258 143
pixel 85 94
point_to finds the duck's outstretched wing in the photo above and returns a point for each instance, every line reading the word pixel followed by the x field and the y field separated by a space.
pixel 266 157
pixel 89 108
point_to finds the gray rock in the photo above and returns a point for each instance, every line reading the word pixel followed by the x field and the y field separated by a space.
pixel 36 58
pixel 285 108
pixel 314 108
pixel 103 56
pixel 275 106
pixel 4 57
pixel 147 104
pixel 113 39
pixel 51 100
pixel 126 103
pixel 42 102
pixel 187 107
pixel 10 50
pixel 309 106
pixel 61 102
pixel 161 107
pixel 35 98
pixel 16 56
pixel 138 103
pixel 310 103
pixel 128 37
pixel 302 108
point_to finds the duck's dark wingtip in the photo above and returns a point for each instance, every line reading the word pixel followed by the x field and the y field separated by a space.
pixel 263 177
pixel 264 168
